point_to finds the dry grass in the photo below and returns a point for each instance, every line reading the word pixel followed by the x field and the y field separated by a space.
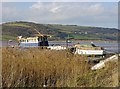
pixel 37 67
pixel 106 77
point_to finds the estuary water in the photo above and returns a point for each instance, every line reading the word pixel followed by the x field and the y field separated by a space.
pixel 108 46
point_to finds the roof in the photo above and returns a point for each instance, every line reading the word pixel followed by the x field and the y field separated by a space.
pixel 87 47
pixel 28 38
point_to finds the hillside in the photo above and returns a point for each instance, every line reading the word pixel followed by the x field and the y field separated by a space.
pixel 58 32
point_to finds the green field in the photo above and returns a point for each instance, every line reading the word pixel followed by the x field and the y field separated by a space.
pixel 7 37
pixel 59 32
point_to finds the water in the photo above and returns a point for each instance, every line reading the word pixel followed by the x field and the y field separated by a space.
pixel 109 46
pixel 5 43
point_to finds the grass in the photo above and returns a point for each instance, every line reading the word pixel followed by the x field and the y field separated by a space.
pixel 87 37
pixel 36 67
pixel 7 37
pixel 18 25
pixel 107 77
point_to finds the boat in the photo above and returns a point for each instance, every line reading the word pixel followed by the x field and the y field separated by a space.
pixel 57 47
pixel 38 40
pixel 33 41
pixel 89 49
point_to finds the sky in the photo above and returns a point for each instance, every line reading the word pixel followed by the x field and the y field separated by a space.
pixel 60 0
pixel 99 14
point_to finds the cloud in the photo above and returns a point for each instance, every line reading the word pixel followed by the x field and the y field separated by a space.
pixel 38 5
pixel 60 0
pixel 11 13
pixel 76 13
pixel 7 12
pixel 0 13
pixel 63 13
pixel 46 7
pixel 95 9
pixel 55 10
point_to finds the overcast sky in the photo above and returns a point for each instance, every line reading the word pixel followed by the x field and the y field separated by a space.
pixel 102 14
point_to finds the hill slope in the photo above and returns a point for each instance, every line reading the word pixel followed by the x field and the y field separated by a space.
pixel 13 29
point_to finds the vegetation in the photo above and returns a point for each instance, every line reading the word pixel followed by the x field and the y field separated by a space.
pixel 59 31
pixel 36 67
pixel 7 37
pixel 18 25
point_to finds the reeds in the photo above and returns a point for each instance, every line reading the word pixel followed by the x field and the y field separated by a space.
pixel 36 67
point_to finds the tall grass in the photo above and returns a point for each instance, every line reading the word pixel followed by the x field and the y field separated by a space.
pixel 38 68
pixel 35 67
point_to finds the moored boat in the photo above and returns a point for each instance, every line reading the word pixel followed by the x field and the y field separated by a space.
pixel 33 41
pixel 89 49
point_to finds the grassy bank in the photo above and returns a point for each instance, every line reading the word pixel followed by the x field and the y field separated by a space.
pixel 7 38
pixel 41 67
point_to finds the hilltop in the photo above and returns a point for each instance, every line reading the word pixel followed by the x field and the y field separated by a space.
pixel 11 30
